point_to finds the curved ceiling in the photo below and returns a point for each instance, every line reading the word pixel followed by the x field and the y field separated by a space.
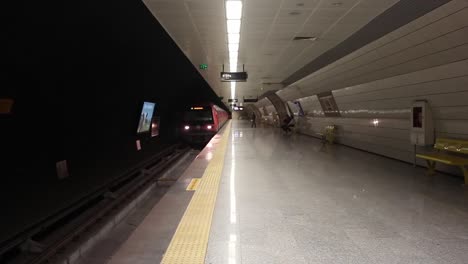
pixel 267 45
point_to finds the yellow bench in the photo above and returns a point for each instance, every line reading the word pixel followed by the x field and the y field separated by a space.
pixel 328 134
pixel 448 146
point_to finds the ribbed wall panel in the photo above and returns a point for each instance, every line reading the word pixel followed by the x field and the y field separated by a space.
pixel 425 60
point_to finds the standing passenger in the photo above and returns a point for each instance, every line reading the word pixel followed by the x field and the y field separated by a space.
pixel 288 122
pixel 252 120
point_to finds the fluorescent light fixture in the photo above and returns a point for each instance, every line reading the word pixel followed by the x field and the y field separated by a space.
pixel 233 9
pixel 233 54
pixel 233 59
pixel 234 47
pixel 233 22
pixel 233 26
pixel 233 62
pixel 233 90
pixel 233 38
pixel 233 67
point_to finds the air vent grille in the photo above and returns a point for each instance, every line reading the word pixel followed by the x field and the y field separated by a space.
pixel 305 38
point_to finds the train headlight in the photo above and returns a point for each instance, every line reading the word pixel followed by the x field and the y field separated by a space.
pixel 186 127
pixel 209 127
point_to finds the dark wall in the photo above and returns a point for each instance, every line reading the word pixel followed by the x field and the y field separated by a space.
pixel 78 74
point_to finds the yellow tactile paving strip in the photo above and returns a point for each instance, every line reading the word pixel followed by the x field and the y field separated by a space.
pixel 193 185
pixel 190 241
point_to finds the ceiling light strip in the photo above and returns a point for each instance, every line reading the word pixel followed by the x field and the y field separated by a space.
pixel 233 25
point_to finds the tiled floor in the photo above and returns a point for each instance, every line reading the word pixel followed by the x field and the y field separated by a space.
pixel 288 199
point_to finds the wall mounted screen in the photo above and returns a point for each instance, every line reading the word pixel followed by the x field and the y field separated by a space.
pixel 146 116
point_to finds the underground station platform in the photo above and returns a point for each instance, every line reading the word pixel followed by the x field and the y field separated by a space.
pixel 256 195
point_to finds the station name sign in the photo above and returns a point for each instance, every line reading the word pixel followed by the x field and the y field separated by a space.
pixel 234 76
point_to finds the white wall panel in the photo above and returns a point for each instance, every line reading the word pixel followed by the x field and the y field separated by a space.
pixel 262 102
pixel 364 74
pixel 271 117
pixel 453 135
pixel 311 106
pixel 436 100
pixel 451 112
pixel 270 109
pixel 441 13
pixel 452 126
pixel 424 60
pixel 424 47
pixel 449 86
pixel 289 94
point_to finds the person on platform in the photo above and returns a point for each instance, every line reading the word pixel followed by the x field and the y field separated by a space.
pixel 253 120
pixel 288 122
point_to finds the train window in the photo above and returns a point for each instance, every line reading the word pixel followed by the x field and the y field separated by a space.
pixel 198 116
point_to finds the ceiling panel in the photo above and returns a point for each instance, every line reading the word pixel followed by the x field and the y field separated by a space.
pixel 204 6
pixel 293 16
pixel 383 4
pixel 262 4
pixel 285 28
pixel 282 36
pixel 403 12
pixel 268 27
pixel 329 13
pixel 300 4
pixel 260 12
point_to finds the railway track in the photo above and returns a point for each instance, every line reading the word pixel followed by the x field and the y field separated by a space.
pixel 43 241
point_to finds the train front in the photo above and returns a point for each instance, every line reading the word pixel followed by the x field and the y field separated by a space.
pixel 199 124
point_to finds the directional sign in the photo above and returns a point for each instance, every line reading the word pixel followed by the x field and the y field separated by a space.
pixel 246 100
pixel 234 76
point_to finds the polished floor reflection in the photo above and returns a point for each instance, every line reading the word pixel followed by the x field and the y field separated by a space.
pixel 289 199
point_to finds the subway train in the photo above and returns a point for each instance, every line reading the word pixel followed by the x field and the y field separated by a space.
pixel 201 122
